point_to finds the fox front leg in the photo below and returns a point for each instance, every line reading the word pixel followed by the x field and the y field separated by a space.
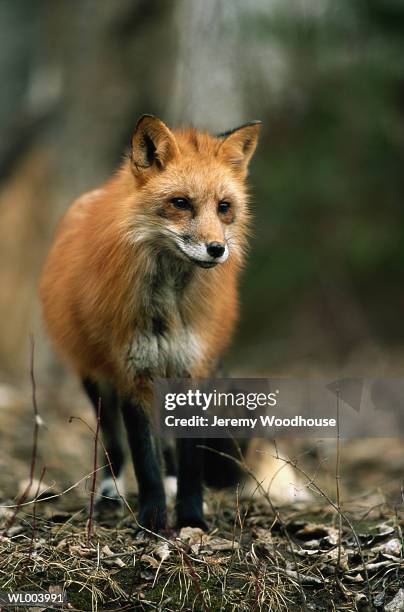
pixel 190 483
pixel 104 398
pixel 146 457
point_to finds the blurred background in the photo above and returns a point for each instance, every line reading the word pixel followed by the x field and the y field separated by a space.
pixel 322 290
pixel 323 281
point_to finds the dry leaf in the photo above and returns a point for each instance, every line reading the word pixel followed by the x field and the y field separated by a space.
pixel 397 603
pixel 197 539
pixel 14 530
pixel 303 552
pixel 222 544
pixel 312 531
pixel 36 488
pixel 385 530
pixel 6 513
pixel 361 601
pixel 263 536
pixel 162 551
pixel 357 578
pixel 111 561
pixel 77 550
pixel 192 535
pixel 332 556
pixel 304 578
pixel 375 566
pixel 315 534
pixel 391 547
pixel 150 560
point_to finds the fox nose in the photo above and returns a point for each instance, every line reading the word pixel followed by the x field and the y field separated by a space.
pixel 215 249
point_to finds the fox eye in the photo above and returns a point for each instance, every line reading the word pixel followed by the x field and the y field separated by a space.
pixel 181 203
pixel 223 207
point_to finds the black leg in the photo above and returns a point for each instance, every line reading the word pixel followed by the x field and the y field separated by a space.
pixel 147 463
pixel 190 478
pixel 111 428
pixel 222 471
pixel 169 458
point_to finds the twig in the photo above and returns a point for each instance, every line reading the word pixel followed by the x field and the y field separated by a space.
pixel 240 520
pixel 34 510
pixel 194 576
pixel 37 423
pixel 275 510
pixel 48 498
pixel 344 517
pixel 94 477
pixel 337 489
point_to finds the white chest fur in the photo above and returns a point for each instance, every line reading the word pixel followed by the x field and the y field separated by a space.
pixel 173 353
pixel 165 345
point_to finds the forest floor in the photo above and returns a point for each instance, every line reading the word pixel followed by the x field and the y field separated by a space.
pixel 324 554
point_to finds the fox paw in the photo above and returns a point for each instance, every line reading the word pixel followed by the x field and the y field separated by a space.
pixel 190 512
pixel 192 521
pixel 153 516
pixel 109 501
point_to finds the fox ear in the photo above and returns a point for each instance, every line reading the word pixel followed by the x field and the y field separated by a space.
pixel 153 144
pixel 238 145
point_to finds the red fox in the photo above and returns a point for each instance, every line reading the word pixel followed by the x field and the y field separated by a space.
pixel 141 282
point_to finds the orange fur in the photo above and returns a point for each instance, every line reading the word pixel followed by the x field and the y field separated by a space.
pixel 97 287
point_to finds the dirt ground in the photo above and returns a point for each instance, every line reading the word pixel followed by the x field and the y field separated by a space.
pixel 316 555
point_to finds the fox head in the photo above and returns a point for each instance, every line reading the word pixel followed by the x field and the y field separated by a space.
pixel 192 197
